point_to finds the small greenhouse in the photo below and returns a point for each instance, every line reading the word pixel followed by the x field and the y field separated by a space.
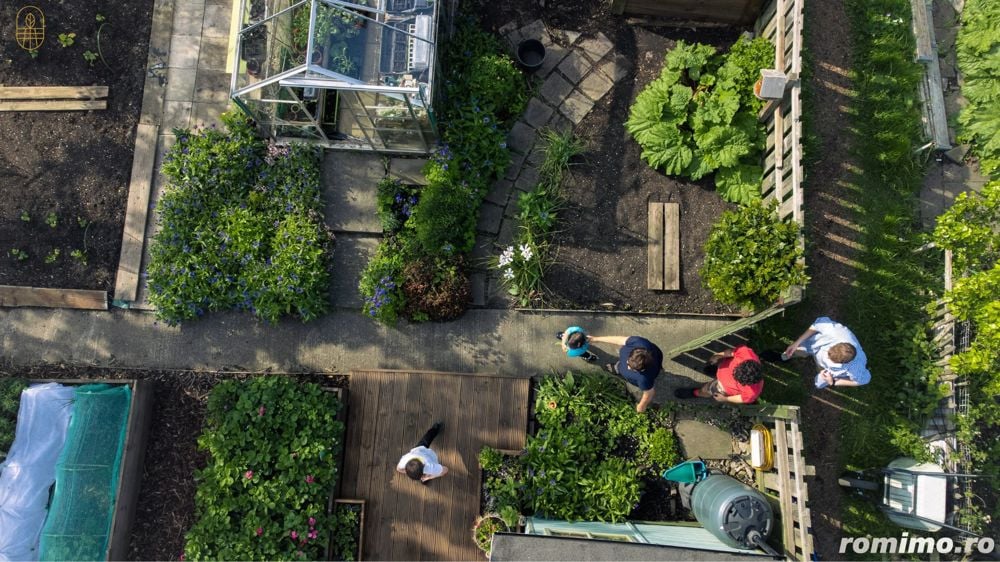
pixel 351 75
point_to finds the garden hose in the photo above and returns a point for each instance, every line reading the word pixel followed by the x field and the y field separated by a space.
pixel 761 448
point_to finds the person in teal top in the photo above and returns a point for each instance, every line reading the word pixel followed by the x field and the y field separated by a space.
pixel 576 343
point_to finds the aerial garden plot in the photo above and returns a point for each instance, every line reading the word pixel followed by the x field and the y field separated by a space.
pixel 65 172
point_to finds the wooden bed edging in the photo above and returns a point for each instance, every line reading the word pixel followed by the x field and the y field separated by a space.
pixel 81 299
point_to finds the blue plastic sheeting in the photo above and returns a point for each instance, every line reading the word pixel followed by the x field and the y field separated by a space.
pixel 26 475
pixel 79 522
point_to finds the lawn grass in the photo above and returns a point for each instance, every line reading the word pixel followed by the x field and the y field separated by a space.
pixel 885 304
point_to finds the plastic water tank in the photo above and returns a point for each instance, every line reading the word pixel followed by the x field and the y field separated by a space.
pixel 732 511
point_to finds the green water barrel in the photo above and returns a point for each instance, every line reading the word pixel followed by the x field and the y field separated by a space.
pixel 735 513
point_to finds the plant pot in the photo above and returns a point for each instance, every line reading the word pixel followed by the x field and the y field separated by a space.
pixel 354 505
pixel 484 529
pixel 317 56
pixel 530 53
pixel 253 67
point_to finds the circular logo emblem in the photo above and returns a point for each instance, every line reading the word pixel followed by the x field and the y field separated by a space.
pixel 30 28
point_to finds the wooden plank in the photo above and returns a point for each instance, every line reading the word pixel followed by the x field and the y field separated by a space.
pixel 405 507
pixel 766 18
pixel 671 247
pixel 654 268
pixel 53 298
pixel 784 497
pixel 804 539
pixel 52 105
pixel 133 456
pixel 617 7
pixel 53 92
pixel 394 440
pixel 779 38
pixel 134 234
pixel 358 429
pixel 922 31
pixel 442 402
pixel 375 473
pixel 461 546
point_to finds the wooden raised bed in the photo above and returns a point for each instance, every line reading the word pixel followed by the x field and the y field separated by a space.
pixel 361 526
pixel 133 454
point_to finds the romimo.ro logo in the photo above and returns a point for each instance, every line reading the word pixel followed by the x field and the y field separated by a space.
pixel 916 545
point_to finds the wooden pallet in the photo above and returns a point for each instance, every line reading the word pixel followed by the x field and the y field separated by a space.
pixel 663 272
pixel 53 98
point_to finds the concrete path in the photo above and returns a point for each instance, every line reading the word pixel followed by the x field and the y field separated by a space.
pixel 483 341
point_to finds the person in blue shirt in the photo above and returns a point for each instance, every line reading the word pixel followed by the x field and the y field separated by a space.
pixel 576 343
pixel 837 352
pixel 639 363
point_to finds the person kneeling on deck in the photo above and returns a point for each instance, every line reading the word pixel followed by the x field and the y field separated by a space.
pixel 421 463
pixel 639 363
pixel 738 376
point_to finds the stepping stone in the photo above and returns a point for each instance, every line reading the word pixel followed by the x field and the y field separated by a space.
pixel 597 47
pixel 349 181
pixel 595 85
pixel 555 89
pixel 699 439
pixel 408 170
pixel 521 138
pixel 490 216
pixel 575 66
pixel 537 113
pixel 351 255
pixel 576 107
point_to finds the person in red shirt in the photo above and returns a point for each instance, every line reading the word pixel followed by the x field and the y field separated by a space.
pixel 738 376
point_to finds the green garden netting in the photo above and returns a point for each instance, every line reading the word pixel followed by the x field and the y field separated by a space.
pixel 79 520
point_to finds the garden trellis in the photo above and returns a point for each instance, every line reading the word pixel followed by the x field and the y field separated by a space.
pixel 352 75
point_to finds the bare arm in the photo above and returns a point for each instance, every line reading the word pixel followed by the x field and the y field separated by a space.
pixel 844 382
pixel 647 397
pixel 613 340
pixel 716 357
pixel 427 477
pixel 795 344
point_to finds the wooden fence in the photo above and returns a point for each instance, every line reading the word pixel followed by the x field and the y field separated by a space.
pixel 785 482
pixel 780 23
pixel 726 12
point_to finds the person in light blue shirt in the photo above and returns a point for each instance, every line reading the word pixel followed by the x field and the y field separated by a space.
pixel 837 352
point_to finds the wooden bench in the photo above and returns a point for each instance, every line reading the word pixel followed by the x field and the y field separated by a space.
pixel 664 247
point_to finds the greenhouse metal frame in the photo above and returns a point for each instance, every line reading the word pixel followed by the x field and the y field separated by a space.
pixel 349 75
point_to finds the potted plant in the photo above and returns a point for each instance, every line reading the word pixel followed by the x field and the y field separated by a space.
pixel 486 526
pixel 347 530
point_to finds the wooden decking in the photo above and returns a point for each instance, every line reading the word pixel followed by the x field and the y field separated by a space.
pixel 388 413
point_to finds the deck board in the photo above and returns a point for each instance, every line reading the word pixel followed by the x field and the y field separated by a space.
pixel 389 411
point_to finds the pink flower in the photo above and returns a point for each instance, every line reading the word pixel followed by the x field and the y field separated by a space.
pixel 294 535
pixel 313 534
pixel 260 411
pixel 181 557
pixel 312 521
pixel 248 474
pixel 260 531
pixel 310 479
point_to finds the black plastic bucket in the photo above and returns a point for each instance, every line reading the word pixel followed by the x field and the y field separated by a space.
pixel 530 53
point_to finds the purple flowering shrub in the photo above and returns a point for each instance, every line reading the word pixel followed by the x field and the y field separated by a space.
pixel 273 445
pixel 436 225
pixel 240 228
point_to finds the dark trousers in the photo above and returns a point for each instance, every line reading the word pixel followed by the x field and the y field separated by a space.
pixel 428 437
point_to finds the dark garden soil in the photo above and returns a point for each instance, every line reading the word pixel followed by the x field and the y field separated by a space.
pixel 165 509
pixel 75 164
pixel 601 249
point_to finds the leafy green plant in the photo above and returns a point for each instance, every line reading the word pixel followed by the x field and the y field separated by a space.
pixel 522 268
pixel 346 532
pixel 241 227
pixel 978 48
pixel 381 283
pixel 10 401
pixel 52 220
pixel 490 458
pixel 271 443
pixel 79 255
pixel 66 39
pixel 90 56
pixel 660 447
pixel 700 116
pixel 486 526
pixel 18 254
pixel 751 257
pixel 84 223
pixel 33 53
pixel 24 216
pixel 394 203
pixel 52 256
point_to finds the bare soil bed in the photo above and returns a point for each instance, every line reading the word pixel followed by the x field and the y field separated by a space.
pixel 601 244
pixel 74 164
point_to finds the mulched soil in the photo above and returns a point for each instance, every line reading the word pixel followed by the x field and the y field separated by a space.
pixel 165 507
pixel 75 164
pixel 601 246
